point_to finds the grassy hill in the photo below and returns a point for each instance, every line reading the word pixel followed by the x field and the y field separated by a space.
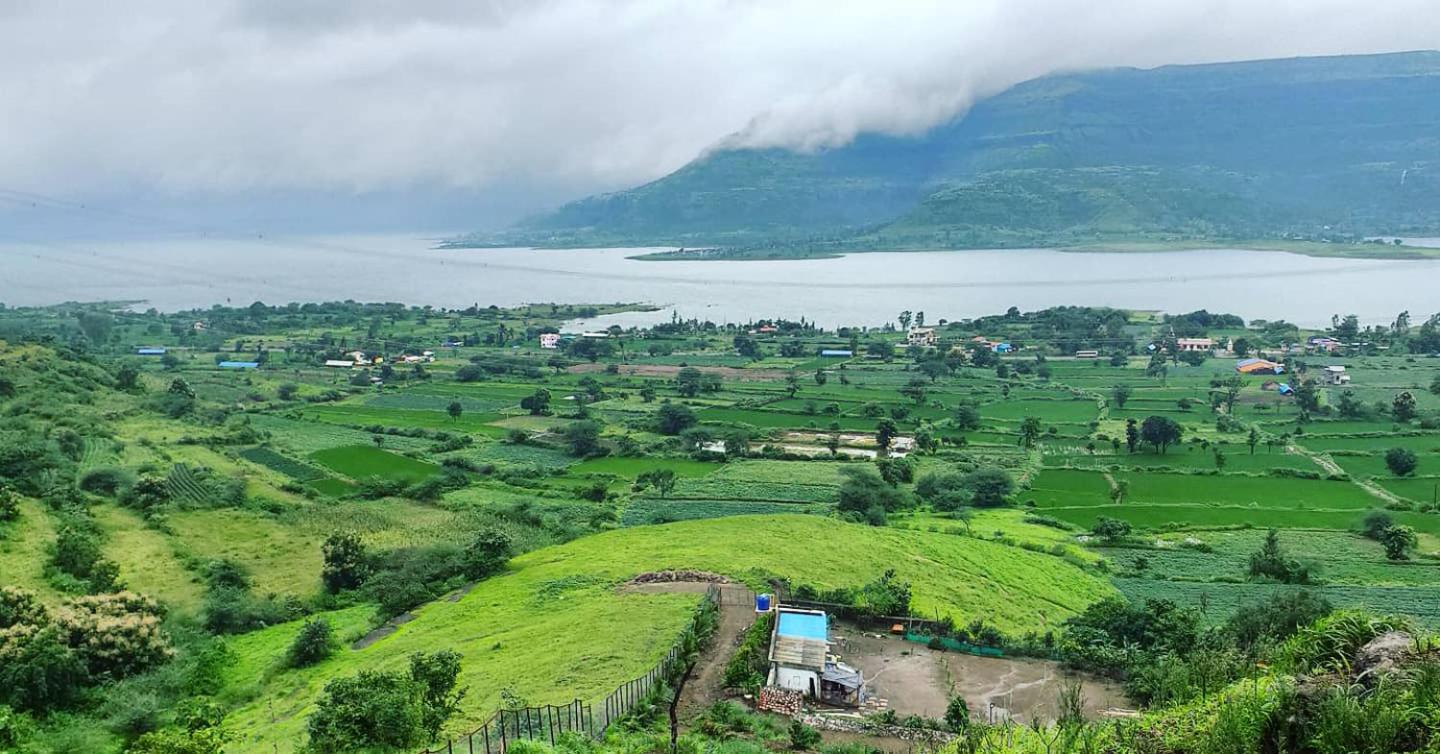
pixel 555 627
pixel 1334 147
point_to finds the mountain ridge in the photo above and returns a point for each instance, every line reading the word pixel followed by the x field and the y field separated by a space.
pixel 1325 148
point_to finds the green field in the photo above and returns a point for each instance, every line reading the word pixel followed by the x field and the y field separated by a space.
pixel 508 627
pixel 361 461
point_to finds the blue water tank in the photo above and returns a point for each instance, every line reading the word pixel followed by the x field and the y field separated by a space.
pixel 762 603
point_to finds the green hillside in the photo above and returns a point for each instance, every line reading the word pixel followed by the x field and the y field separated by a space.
pixel 1317 148
pixel 555 627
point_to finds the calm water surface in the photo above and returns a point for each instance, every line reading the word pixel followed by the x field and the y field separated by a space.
pixel 858 289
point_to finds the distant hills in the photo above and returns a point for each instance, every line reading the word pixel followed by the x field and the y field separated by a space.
pixel 1332 148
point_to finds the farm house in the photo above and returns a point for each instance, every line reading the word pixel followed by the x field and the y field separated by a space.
pixel 800 659
pixel 1336 375
pixel 1258 366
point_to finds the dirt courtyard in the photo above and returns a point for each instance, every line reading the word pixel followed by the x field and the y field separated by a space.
pixel 917 680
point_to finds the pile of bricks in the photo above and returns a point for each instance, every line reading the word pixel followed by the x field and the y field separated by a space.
pixel 781 701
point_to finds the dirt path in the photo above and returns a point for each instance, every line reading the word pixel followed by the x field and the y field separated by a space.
pixel 1328 464
pixel 706 684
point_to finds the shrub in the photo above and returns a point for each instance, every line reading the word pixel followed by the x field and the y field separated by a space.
pixel 313 643
pixel 117 634
pixel 9 504
pixel 39 671
pixel 230 610
pixel 1401 461
pixel 107 482
pixel 803 737
pixel 374 709
pixel 488 552
pixel 957 714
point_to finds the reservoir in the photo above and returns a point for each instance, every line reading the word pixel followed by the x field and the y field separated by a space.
pixel 860 289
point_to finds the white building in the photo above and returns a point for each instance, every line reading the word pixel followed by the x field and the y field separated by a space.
pixel 800 659
pixel 1195 344
pixel 798 645
pixel 920 336
pixel 1336 375
pixel 549 340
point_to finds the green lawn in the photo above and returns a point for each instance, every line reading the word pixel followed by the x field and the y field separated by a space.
pixel 147 563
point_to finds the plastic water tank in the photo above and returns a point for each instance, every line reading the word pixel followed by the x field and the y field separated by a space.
pixel 762 603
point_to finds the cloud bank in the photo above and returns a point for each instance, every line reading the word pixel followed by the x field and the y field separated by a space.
pixel 237 97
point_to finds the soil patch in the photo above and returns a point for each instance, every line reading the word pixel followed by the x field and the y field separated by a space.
pixel 384 630
pixel 917 680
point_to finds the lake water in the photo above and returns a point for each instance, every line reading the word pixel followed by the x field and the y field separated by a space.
pixel 861 289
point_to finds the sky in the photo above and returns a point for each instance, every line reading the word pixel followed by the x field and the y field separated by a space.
pixel 467 113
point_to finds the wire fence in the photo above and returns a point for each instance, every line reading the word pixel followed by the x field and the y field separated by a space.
pixel 550 722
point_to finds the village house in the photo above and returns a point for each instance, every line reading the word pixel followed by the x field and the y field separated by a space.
pixel 1336 375
pixel 800 659
pixel 1328 345
pixel 339 363
pixel 1194 345
pixel 549 340
pixel 920 336
pixel 1090 354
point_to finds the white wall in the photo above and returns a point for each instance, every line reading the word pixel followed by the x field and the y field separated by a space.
pixel 796 679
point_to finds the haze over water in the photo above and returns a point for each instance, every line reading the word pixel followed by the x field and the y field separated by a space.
pixel 860 289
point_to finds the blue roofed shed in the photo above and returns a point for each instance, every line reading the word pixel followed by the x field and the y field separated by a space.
pixel 239 365
pixel 150 351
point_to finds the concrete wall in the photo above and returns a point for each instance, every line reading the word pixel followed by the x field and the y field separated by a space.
pixel 806 682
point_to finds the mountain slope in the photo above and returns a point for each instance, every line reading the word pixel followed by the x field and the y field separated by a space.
pixel 1242 150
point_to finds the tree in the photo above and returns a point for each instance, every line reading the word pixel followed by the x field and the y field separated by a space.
pixel 1270 562
pixel 1132 435
pixel 885 432
pixel 864 492
pixel 820 377
pixel 967 416
pixel 1241 347
pixel 748 347
pixel 455 409
pixel 127 377
pixel 1120 394
pixel 674 418
pixel 1307 396
pixel 881 349
pixel 1403 407
pixel 914 390
pixel 1375 523
pixel 1435 385
pixel 647 394
pixel 904 319
pixel 1110 528
pixel 346 564
pixel 1398 541
pixel 1349 406
pixel 582 438
pixel 663 480
pixel 314 642
pixel 537 403
pixel 934 369
pixel 989 487
pixel 369 710
pixel 1401 461
pixel 1219 459
pixel 487 553
pixel 737 443
pixel 96 326
pixel 1253 439
pixel 1161 432
pixel 1030 431
pixel 687 382
pixel 40 672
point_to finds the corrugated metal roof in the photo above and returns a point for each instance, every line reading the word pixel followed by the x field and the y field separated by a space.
pixel 799 653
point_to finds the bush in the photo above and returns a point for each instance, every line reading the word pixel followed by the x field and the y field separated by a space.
pixel 231 610
pixel 957 714
pixel 803 737
pixel 488 553
pixel 39 672
pixel 1401 461
pixel 107 482
pixel 9 504
pixel 313 643
pixel 374 709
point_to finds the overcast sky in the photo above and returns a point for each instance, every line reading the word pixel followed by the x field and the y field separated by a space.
pixel 520 102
